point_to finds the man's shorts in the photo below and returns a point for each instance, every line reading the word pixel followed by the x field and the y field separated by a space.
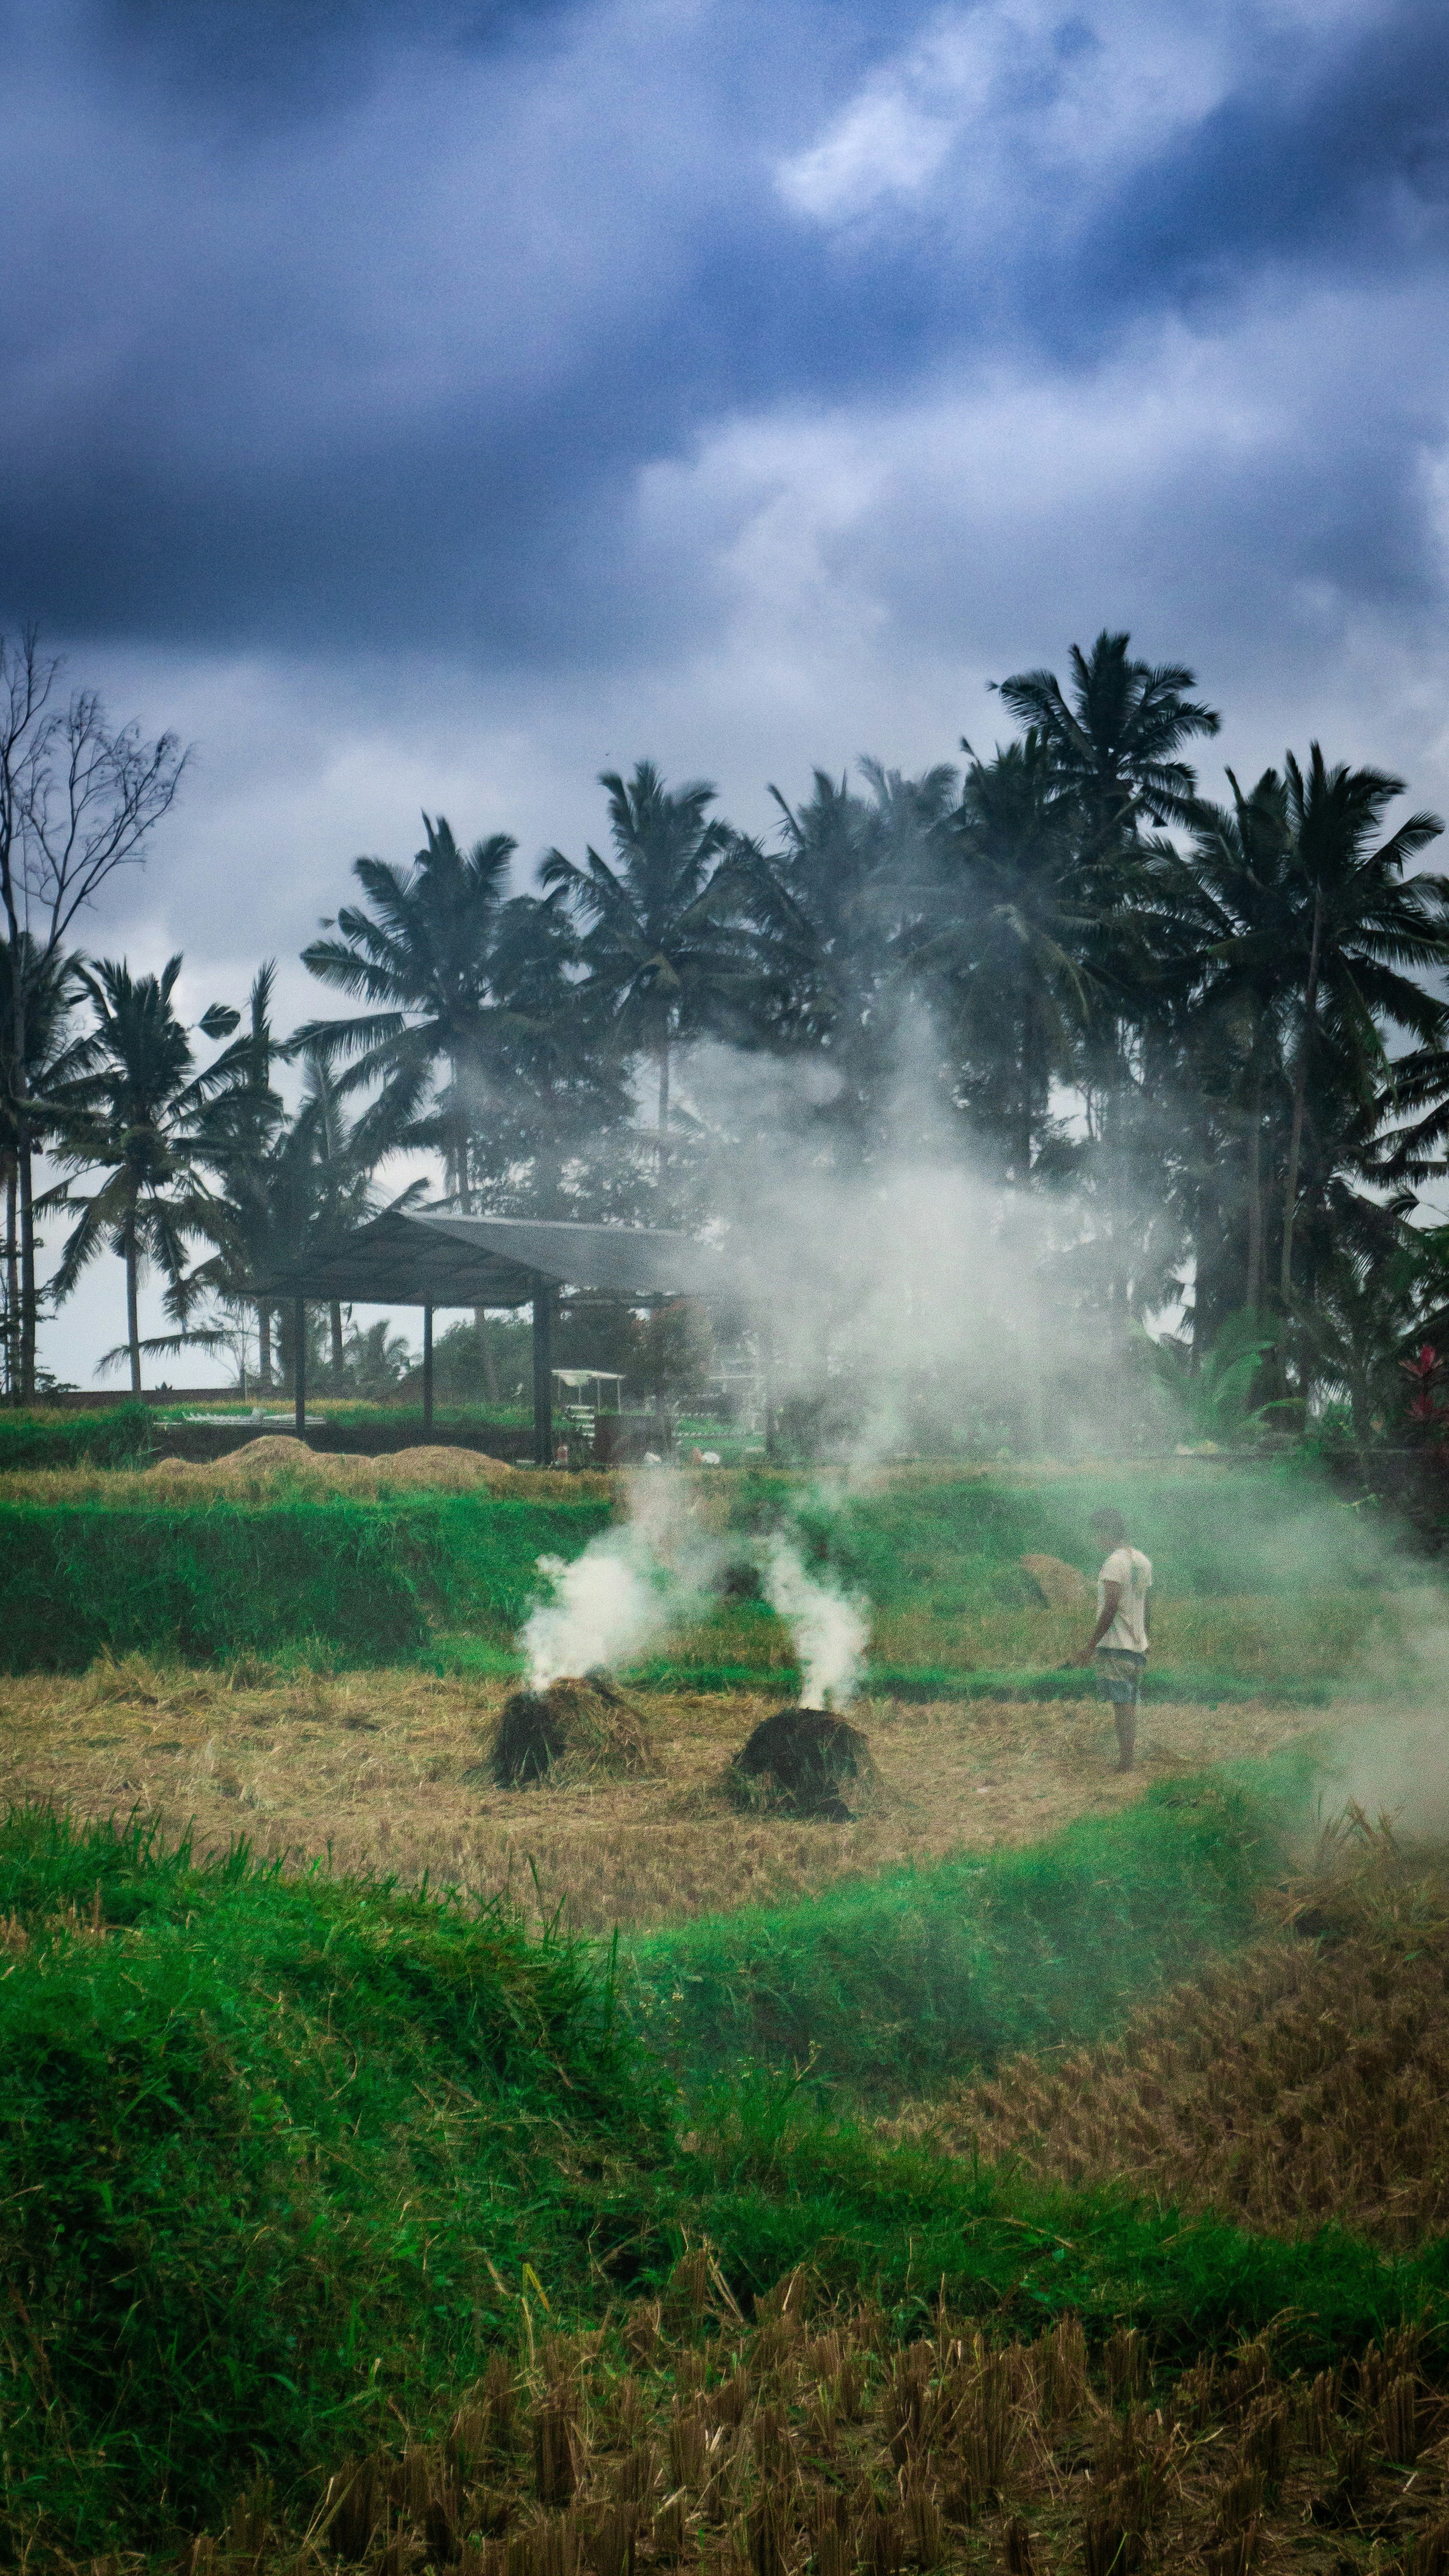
pixel 1119 1674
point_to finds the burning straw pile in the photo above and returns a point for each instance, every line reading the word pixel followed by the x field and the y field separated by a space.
pixel 805 1762
pixel 574 1730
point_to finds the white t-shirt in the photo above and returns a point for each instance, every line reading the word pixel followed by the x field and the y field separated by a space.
pixel 1129 1567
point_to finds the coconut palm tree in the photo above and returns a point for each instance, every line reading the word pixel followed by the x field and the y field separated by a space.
pixel 1115 737
pixel 562 1094
pixel 830 909
pixel 138 1113
pixel 1362 932
pixel 295 1181
pixel 665 949
pixel 1232 980
pixel 1011 940
pixel 427 958
pixel 32 1096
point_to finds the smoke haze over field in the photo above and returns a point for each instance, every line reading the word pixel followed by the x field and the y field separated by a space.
pixel 638 1584
pixel 900 1286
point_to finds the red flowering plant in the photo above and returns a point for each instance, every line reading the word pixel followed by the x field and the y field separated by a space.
pixel 1428 1408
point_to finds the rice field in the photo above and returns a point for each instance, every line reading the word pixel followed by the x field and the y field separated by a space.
pixel 1177 2299
pixel 378 1770
pixel 810 2437
pixel 1303 2084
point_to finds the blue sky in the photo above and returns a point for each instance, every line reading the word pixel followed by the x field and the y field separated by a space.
pixel 426 404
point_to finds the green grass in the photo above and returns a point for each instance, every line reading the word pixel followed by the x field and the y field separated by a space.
pixel 1196 1685
pixel 347 1581
pixel 936 1556
pixel 773 2188
pixel 273 2154
pixel 280 2159
pixel 114 1437
pixel 890 1987
pixel 1265 1581
pixel 951 1544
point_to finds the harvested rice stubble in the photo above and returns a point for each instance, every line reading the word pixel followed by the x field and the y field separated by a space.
pixel 372 1766
pixel 1303 2082
pixel 681 2437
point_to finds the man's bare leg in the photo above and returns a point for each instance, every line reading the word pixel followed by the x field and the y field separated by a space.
pixel 1124 1713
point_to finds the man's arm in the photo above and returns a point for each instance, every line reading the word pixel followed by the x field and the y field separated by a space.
pixel 1111 1598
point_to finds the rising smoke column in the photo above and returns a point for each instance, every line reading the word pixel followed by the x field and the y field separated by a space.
pixel 633 1585
pixel 831 1633
pixel 897 1285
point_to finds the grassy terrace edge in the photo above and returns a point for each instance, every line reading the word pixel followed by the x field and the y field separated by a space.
pixel 280 2156
pixel 884 1987
pixel 358 1581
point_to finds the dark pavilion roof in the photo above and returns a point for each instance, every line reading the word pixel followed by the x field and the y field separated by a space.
pixel 402 1260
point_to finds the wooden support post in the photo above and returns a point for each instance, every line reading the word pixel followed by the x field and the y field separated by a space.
pixel 543 1378
pixel 427 1372
pixel 299 1378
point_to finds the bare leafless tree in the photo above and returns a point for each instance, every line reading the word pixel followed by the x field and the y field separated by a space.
pixel 78 800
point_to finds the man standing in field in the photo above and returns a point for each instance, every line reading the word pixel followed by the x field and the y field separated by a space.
pixel 1119 1640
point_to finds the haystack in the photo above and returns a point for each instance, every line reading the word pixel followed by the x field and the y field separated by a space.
pixel 805 1762
pixel 430 1467
pixel 436 1465
pixel 1060 1585
pixel 273 1453
pixel 574 1730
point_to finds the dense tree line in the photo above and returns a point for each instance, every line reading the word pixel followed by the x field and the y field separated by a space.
pixel 1219 1025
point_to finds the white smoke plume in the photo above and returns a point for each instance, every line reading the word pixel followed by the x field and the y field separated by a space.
pixel 902 1292
pixel 831 1632
pixel 632 1587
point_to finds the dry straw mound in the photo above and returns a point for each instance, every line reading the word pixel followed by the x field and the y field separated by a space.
pixel 1060 1585
pixel 805 1762
pixel 276 1455
pixel 1306 2082
pixel 573 1731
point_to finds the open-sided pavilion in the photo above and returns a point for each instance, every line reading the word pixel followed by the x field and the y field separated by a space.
pixel 477 1261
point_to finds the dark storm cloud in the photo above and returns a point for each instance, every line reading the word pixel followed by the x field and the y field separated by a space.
pixel 356 320
pixel 1337 162
pixel 280 60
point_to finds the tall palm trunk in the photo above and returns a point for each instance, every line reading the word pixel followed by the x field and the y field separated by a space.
pixel 458 1149
pixel 1300 1098
pixel 133 1309
pixel 336 1345
pixel 1029 1086
pixel 1254 1288
pixel 264 1343
pixel 12 1282
pixel 27 1271
pixel 663 1145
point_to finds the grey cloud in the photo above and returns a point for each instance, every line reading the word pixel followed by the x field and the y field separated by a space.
pixel 394 370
